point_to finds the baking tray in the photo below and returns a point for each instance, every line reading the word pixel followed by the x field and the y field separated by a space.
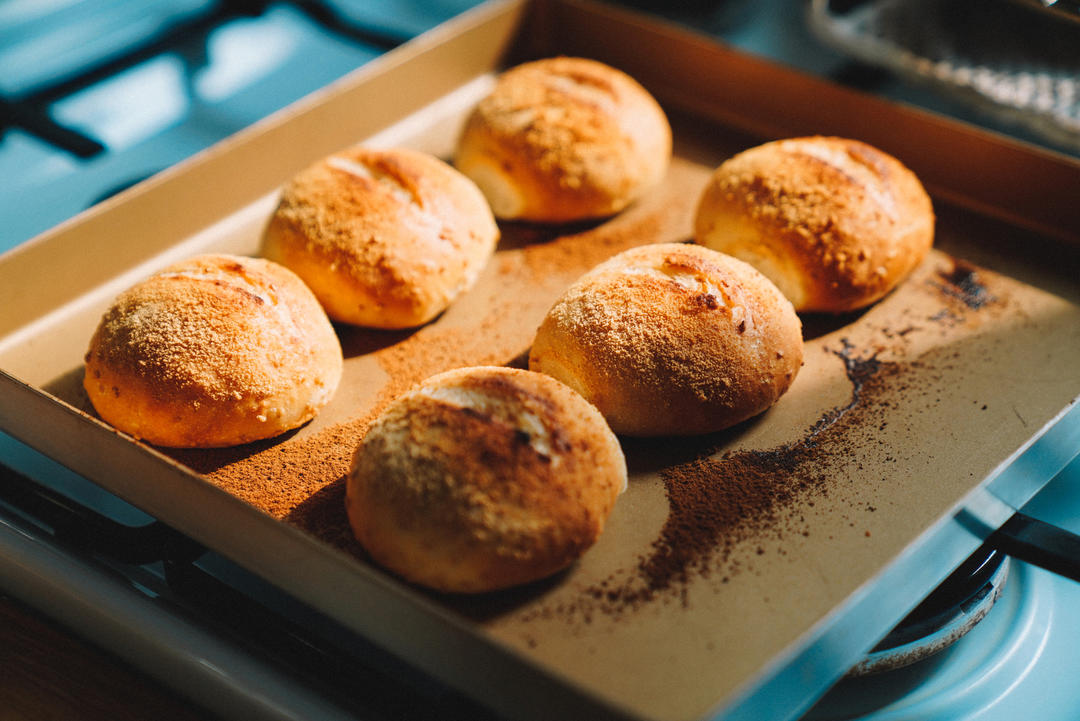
pixel 903 416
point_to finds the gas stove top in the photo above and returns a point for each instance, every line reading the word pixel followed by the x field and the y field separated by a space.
pixel 98 96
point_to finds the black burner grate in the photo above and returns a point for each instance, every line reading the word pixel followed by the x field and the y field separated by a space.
pixel 30 110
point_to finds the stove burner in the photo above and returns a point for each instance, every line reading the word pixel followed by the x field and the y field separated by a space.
pixel 950 611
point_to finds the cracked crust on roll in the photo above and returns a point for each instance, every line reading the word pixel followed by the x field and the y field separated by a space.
pixel 483 478
pixel 835 223
pixel 385 238
pixel 217 350
pixel 672 339
pixel 564 139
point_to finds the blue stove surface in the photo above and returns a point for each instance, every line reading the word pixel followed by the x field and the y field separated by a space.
pixel 1018 662
pixel 170 106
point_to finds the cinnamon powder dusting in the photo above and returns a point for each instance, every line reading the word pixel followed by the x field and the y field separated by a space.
pixel 302 480
pixel 718 503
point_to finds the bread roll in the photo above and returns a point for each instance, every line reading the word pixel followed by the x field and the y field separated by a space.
pixel 835 223
pixel 385 238
pixel 213 351
pixel 672 339
pixel 484 478
pixel 564 139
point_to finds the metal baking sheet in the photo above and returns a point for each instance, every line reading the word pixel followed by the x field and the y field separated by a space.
pixel 827 518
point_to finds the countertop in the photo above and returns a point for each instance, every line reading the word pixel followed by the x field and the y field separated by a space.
pixel 49 673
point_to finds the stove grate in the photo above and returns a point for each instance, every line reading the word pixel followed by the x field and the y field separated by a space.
pixel 29 110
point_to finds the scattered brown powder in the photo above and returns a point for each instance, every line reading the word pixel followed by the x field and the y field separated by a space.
pixel 963 283
pixel 723 507
pixel 717 503
pixel 302 480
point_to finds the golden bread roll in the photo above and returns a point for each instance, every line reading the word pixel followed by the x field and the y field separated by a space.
pixel 834 223
pixel 483 478
pixel 672 339
pixel 385 238
pixel 564 139
pixel 213 351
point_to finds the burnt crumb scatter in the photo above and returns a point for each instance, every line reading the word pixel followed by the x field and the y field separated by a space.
pixel 963 283
pixel 902 333
pixel 947 317
pixel 718 502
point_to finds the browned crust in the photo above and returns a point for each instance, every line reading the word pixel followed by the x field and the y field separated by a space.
pixel 846 219
pixel 213 351
pixel 577 138
pixel 672 339
pixel 468 497
pixel 391 247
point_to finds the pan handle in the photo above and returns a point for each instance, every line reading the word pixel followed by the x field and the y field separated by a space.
pixel 1040 544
